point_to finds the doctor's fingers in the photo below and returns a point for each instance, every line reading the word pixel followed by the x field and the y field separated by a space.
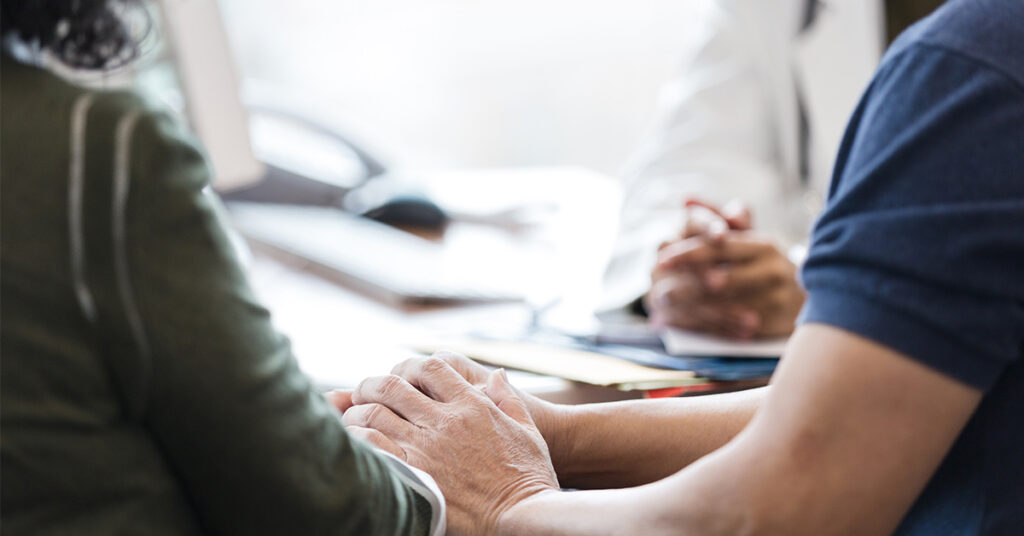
pixel 739 215
pixel 778 309
pixel 734 247
pixel 670 288
pixel 757 275
pixel 377 439
pixel 735 213
pixel 382 419
pixel 704 222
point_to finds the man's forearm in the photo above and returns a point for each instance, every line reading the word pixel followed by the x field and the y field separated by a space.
pixel 635 442
pixel 664 507
pixel 843 444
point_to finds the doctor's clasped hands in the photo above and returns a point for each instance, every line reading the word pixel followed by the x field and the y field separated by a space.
pixel 720 277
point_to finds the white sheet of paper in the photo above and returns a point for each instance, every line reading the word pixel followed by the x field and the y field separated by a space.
pixel 688 343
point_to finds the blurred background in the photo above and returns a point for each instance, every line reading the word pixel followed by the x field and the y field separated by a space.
pixel 451 84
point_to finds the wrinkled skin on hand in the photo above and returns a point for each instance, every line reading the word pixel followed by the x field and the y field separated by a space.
pixel 481 445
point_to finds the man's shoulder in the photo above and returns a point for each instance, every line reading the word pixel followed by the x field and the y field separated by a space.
pixel 988 32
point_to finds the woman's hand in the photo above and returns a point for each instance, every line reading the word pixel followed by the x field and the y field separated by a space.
pixel 554 421
pixel 480 445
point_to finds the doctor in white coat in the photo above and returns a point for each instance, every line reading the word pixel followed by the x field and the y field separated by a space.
pixel 756 115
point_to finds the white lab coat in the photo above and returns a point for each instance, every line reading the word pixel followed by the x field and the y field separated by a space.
pixel 729 125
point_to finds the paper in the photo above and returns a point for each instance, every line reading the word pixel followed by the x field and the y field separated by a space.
pixel 688 343
pixel 575 365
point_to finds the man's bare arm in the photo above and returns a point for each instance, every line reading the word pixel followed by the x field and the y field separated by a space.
pixel 622 444
pixel 846 440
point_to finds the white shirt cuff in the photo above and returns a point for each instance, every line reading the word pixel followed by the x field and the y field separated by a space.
pixel 424 485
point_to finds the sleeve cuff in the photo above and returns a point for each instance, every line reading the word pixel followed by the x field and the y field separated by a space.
pixel 902 332
pixel 424 485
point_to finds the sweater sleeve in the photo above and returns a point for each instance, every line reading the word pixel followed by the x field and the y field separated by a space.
pixel 257 449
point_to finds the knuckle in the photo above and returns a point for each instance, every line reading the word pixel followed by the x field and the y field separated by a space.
pixel 359 394
pixel 773 278
pixel 372 414
pixel 448 421
pixel 782 271
pixel 779 299
pixel 401 368
pixel 450 357
pixel 375 436
pixel 389 386
pixel 433 365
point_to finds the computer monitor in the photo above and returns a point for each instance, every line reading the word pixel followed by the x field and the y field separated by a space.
pixel 210 86
pixel 264 144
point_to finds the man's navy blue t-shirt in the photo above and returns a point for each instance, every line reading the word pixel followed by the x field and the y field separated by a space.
pixel 921 244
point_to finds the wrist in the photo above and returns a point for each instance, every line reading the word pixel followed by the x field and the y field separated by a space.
pixel 517 518
pixel 556 423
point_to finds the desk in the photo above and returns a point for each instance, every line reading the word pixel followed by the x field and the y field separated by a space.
pixel 341 336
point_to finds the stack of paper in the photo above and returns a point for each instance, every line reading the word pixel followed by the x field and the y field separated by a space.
pixel 575 365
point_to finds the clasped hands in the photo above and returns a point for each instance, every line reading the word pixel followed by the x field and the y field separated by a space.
pixel 719 277
pixel 464 425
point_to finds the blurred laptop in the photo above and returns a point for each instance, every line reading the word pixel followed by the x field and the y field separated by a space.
pixel 283 175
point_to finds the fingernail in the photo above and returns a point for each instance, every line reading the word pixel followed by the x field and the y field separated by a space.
pixel 503 375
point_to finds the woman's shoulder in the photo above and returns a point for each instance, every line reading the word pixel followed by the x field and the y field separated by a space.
pixel 114 126
pixel 54 102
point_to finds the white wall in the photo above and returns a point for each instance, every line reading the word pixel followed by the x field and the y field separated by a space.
pixel 469 83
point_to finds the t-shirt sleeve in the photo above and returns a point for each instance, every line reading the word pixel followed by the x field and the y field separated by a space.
pixel 921 245
pixel 256 448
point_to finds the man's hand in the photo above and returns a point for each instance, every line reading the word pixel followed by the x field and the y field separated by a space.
pixel 480 445
pixel 719 278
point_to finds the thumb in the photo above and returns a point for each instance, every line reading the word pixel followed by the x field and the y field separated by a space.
pixel 500 391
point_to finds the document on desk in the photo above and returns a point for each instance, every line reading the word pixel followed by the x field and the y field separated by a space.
pixel 575 365
pixel 690 344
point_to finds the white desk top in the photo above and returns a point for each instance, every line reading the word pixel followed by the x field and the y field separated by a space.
pixel 341 336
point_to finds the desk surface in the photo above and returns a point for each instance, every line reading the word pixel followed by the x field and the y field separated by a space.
pixel 341 336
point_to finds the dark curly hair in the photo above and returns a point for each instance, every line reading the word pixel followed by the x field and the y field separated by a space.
pixel 83 34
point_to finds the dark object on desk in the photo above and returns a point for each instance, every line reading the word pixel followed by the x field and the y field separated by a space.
pixel 408 210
